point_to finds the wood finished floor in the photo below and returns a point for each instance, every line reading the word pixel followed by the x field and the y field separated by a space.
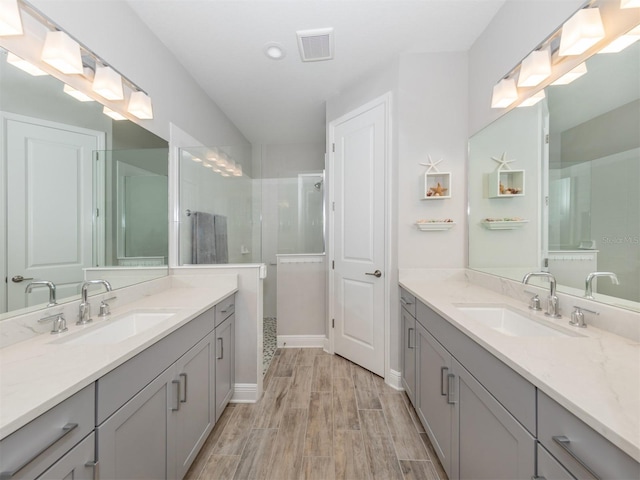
pixel 321 417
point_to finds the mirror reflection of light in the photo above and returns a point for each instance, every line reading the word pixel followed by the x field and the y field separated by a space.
pixel 25 66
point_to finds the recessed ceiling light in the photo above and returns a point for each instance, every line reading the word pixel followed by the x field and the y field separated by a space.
pixel 274 51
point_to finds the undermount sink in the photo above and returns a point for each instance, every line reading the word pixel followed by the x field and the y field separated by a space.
pixel 117 329
pixel 509 321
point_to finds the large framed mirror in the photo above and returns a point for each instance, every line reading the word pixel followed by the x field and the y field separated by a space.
pixel 81 193
pixel 579 213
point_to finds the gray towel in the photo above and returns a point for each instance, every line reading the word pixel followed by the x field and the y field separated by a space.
pixel 209 239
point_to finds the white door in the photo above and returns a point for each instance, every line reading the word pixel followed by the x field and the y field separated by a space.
pixel 360 144
pixel 50 207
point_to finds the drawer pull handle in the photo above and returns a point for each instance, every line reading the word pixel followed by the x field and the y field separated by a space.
pixel 405 302
pixel 443 392
pixel 96 469
pixel 564 442
pixel 177 407
pixel 221 340
pixel 65 430
pixel 450 399
pixel 184 375
pixel 227 309
pixel 538 478
pixel 409 338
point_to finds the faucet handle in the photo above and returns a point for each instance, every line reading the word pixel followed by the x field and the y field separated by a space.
pixel 105 308
pixel 534 303
pixel 59 322
pixel 577 316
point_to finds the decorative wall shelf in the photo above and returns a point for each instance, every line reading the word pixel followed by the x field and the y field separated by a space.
pixel 434 225
pixel 503 224
pixel 437 184
pixel 506 184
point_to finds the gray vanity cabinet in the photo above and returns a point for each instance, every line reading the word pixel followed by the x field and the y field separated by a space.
pixel 549 468
pixel 225 363
pixel 488 442
pixel 407 315
pixel 78 464
pixel 156 433
pixel 433 401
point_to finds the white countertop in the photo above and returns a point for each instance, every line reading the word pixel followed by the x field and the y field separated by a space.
pixel 36 374
pixel 595 376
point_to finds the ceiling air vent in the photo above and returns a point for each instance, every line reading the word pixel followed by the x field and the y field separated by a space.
pixel 315 45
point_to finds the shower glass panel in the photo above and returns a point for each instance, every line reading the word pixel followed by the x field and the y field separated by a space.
pixel 219 208
pixel 301 214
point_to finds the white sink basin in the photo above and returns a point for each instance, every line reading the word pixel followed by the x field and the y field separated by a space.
pixel 508 321
pixel 117 329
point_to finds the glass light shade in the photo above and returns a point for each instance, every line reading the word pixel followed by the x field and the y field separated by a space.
pixel 108 83
pixel 217 169
pixel 10 21
pixel 535 68
pixel 62 52
pixel 504 93
pixel 207 165
pixel 231 166
pixel 77 94
pixel 629 3
pixel 572 75
pixel 623 41
pixel 197 160
pixel 581 32
pixel 532 100
pixel 23 65
pixel 224 174
pixel 221 160
pixel 238 171
pixel 140 106
pixel 115 115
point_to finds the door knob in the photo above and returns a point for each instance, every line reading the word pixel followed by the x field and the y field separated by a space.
pixel 19 278
pixel 376 274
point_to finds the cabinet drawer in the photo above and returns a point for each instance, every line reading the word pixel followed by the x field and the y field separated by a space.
pixel 119 385
pixel 78 464
pixel 29 451
pixel 408 302
pixel 515 393
pixel 561 432
pixel 225 308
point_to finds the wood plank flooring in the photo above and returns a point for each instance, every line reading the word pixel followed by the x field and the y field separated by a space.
pixel 321 417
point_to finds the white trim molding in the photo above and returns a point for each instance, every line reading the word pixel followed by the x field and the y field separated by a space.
pixel 394 379
pixel 245 393
pixel 301 341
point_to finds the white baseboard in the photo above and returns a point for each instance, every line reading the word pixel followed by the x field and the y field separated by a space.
pixel 326 345
pixel 245 393
pixel 394 379
pixel 301 341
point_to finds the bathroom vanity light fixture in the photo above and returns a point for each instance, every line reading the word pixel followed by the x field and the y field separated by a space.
pixel 115 115
pixel 108 83
pixel 535 68
pixel 532 100
pixel 629 3
pixel 504 93
pixel 77 94
pixel 10 21
pixel 140 106
pixel 623 41
pixel 238 171
pixel 25 66
pixel 581 32
pixel 572 75
pixel 62 52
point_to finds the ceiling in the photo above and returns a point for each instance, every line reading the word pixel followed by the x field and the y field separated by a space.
pixel 220 42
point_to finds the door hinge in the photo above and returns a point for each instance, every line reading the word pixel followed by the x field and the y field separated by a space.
pixel 333 323
pixel 333 206
pixel 546 138
pixel 97 212
pixel 333 264
pixel 333 147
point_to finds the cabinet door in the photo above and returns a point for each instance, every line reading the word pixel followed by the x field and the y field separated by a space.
pixel 194 417
pixel 136 442
pixel 225 364
pixel 433 370
pixel 409 354
pixel 77 464
pixel 489 443
pixel 549 468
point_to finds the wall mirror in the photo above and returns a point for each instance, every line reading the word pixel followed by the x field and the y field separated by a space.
pixel 83 194
pixel 578 210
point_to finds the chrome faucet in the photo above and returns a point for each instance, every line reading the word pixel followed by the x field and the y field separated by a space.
pixel 84 315
pixel 45 283
pixel 588 288
pixel 553 304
